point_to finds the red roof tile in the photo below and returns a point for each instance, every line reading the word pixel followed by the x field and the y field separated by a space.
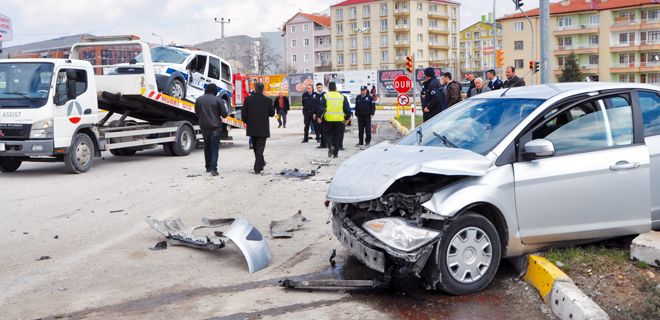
pixel 318 18
pixel 352 2
pixel 582 5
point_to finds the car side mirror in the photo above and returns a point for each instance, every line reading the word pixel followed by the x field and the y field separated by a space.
pixel 132 61
pixel 538 149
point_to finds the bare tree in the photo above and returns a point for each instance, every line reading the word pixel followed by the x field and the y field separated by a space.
pixel 265 57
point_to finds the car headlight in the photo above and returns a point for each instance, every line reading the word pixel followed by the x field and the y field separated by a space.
pixel 398 234
pixel 42 129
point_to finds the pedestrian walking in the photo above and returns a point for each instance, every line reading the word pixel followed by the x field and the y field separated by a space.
pixel 310 104
pixel 281 105
pixel 452 91
pixel 256 111
pixel 365 108
pixel 470 77
pixel 494 82
pixel 479 87
pixel 433 101
pixel 373 93
pixel 320 95
pixel 334 114
pixel 512 80
pixel 209 109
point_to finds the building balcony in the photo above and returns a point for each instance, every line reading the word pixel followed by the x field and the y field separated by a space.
pixel 624 67
pixel 401 12
pixel 635 45
pixel 401 28
pixel 576 29
pixel 625 25
pixel 438 30
pixel 400 59
pixel 649 66
pixel 435 60
pixel 585 69
pixel 438 45
pixel 401 43
pixel 439 15
pixel 650 23
pixel 577 48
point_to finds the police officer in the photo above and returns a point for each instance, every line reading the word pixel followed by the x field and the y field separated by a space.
pixel 334 114
pixel 365 107
pixel 310 104
pixel 434 98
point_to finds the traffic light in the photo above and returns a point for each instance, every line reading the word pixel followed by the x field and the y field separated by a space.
pixel 499 57
pixel 536 66
pixel 409 64
pixel 531 64
pixel 518 4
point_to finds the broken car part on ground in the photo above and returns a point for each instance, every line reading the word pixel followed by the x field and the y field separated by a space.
pixel 248 239
pixel 285 228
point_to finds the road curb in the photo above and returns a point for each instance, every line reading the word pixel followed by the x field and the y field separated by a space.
pixel 557 288
pixel 402 130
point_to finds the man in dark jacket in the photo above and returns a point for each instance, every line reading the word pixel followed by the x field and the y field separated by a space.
pixel 320 94
pixel 452 91
pixel 256 111
pixel 209 108
pixel 470 77
pixel 494 83
pixel 365 108
pixel 433 101
pixel 335 112
pixel 310 104
pixel 512 79
pixel 281 105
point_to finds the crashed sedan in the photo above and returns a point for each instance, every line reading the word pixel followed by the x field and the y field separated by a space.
pixel 500 175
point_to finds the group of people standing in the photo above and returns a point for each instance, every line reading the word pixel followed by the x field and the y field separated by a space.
pixel 440 94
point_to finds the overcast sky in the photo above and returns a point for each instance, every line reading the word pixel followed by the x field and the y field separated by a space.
pixel 180 21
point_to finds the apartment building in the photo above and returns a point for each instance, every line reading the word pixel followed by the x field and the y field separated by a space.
pixel 371 34
pixel 477 49
pixel 307 43
pixel 614 40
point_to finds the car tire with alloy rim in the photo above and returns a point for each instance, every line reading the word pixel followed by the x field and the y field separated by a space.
pixel 176 88
pixel 81 154
pixel 468 255
pixel 10 164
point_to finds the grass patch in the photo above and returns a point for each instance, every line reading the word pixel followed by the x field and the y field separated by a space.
pixel 405 121
pixel 600 258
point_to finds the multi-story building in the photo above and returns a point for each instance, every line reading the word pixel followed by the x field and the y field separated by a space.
pixel 478 46
pixel 372 34
pixel 307 43
pixel 613 40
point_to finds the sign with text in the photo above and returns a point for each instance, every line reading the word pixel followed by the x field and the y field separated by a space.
pixel 402 84
pixel 5 28
pixel 298 83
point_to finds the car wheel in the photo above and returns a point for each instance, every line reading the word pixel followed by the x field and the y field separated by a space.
pixel 10 164
pixel 81 154
pixel 176 89
pixel 185 141
pixel 468 255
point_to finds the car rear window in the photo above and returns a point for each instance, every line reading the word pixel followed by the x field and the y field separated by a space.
pixel 650 103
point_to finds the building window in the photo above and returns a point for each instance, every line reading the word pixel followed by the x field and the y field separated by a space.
pixel 339 14
pixel 420 54
pixel 565 41
pixel 593 40
pixel 294 58
pixel 420 22
pixel 623 38
pixel 467 35
pixel 353 43
pixel 367 57
pixel 453 27
pixel 306 57
pixel 384 56
pixel 519 64
pixel 340 29
pixel 353 58
pixel 352 13
pixel 594 19
pixel 383 25
pixel 305 27
pixel 366 26
pixel 293 29
pixel 340 58
pixel 383 41
pixel 560 61
pixel 518 45
pixel 453 41
pixel 354 26
pixel 453 12
pixel 518 26
pixel 625 58
pixel 366 11
pixel 593 59
pixel 340 44
pixel 306 42
pixel 565 22
pixel 293 43
pixel 627 77
pixel 650 15
pixel 366 42
pixel 383 9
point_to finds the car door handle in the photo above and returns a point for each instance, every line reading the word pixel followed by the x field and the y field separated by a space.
pixel 624 165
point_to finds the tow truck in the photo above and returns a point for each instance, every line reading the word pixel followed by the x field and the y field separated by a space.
pixel 70 110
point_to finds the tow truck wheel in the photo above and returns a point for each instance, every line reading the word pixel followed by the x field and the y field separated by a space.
pixel 81 154
pixel 468 255
pixel 10 164
pixel 167 147
pixel 176 89
pixel 185 141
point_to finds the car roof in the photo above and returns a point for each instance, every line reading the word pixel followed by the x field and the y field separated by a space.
pixel 188 51
pixel 547 91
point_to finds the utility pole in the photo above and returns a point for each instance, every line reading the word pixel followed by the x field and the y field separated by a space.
pixel 544 7
pixel 494 38
pixel 531 26
pixel 222 22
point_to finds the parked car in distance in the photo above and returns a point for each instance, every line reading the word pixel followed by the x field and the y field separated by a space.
pixel 501 175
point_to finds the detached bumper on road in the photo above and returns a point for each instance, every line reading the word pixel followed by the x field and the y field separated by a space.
pixel 371 251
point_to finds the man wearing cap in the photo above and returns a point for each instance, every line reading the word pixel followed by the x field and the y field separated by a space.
pixel 365 108
pixel 434 98
pixel 334 113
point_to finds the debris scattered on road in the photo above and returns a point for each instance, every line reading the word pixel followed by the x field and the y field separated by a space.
pixel 285 228
pixel 162 245
pixel 333 254
pixel 25 232
pixel 61 289
pixel 56 237
pixel 42 258
pixel 320 163
pixel 333 284
pixel 117 211
pixel 296 173
pixel 193 175
pixel 246 237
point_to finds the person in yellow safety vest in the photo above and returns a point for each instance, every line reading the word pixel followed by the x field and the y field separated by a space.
pixel 333 115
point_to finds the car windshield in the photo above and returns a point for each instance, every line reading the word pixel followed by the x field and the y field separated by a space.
pixel 25 84
pixel 474 124
pixel 165 54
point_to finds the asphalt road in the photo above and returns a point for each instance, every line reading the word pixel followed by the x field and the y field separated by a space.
pixel 91 226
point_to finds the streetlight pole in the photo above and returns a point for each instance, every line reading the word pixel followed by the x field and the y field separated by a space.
pixel 494 37
pixel 544 14
pixel 222 22
pixel 161 38
pixel 531 26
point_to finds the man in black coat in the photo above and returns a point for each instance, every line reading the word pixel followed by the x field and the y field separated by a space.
pixel 452 90
pixel 470 77
pixel 310 104
pixel 256 111
pixel 365 108
pixel 512 80
pixel 320 95
pixel 209 108
pixel 434 98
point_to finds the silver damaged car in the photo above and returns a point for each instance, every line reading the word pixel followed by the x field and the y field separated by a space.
pixel 500 175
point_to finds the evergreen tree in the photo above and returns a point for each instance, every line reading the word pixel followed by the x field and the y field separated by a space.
pixel 571 71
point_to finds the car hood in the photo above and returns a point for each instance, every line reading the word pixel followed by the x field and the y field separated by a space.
pixel 368 174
